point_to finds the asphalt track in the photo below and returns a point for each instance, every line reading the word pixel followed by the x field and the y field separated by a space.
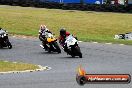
pixel 97 58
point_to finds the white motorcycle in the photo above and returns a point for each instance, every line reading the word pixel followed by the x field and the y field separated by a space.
pixel 72 46
pixel 4 41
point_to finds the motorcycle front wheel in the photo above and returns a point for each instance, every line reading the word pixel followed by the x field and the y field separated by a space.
pixel 9 45
pixel 57 47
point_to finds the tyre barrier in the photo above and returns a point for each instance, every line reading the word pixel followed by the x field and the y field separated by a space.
pixel 70 6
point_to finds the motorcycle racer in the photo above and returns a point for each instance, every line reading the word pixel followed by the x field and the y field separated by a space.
pixel 43 29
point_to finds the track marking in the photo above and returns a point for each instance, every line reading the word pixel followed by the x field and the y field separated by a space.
pixel 108 43
pixel 121 44
pixel 80 41
pixel 94 42
pixel 6 61
pixel 14 62
pixel 13 36
pixel 41 68
pixel 24 37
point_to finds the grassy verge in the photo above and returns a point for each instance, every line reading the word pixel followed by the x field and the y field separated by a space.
pixel 86 25
pixel 10 66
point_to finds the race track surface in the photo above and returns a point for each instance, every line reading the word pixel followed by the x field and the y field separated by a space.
pixel 97 58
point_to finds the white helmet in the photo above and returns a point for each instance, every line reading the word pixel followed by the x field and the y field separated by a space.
pixel 43 27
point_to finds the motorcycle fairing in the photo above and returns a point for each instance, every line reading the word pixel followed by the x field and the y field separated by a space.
pixel 70 40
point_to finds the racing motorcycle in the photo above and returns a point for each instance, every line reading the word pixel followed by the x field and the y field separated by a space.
pixel 4 41
pixel 73 49
pixel 51 43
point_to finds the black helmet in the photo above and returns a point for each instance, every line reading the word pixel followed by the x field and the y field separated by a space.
pixel 63 32
pixel 0 28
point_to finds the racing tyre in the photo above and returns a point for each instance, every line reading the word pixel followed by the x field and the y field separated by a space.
pixel 79 52
pixel 57 47
pixel 73 56
pixel 1 46
pixel 80 55
pixel 9 45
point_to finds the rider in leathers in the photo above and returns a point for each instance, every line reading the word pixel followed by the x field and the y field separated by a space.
pixel 62 38
pixel 43 29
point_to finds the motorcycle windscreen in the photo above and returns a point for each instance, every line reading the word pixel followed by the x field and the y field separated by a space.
pixel 2 32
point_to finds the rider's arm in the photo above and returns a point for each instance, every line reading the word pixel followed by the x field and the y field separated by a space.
pixel 47 30
pixel 60 39
pixel 40 31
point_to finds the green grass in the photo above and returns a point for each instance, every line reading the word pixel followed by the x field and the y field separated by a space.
pixel 86 25
pixel 10 66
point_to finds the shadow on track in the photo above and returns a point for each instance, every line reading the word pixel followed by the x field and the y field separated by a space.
pixel 69 57
pixel 49 53
pixel 4 48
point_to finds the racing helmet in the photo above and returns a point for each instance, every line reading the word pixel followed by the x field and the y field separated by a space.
pixel 42 27
pixel 63 32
